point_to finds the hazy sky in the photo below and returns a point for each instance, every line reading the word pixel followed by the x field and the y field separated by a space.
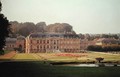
pixel 86 16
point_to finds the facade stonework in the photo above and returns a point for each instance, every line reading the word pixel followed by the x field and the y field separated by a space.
pixel 55 42
pixel 84 43
pixel 10 44
pixel 15 44
pixel 46 42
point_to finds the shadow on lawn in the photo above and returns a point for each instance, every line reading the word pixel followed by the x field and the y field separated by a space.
pixel 40 69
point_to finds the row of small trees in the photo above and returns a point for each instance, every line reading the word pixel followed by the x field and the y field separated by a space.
pixel 105 48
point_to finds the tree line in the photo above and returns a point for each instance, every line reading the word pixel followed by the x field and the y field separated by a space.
pixel 29 27
pixel 104 48
pixel 91 37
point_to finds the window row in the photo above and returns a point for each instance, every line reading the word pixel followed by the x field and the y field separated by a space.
pixel 44 47
pixel 11 45
pixel 54 42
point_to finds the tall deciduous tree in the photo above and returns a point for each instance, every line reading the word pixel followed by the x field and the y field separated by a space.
pixel 4 30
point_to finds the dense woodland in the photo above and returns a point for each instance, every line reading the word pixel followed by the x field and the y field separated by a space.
pixel 29 27
pixel 103 49
pixel 96 36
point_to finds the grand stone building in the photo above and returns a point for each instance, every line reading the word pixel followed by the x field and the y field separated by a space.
pixel 52 42
pixel 55 42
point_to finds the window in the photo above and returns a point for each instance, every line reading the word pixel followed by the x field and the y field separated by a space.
pixel 12 45
pixel 47 41
pixel 54 47
pixel 37 41
pixel 37 46
pixel 44 46
pixel 54 42
pixel 43 41
pixel 47 46
pixel 31 41
pixel 40 41
pixel 40 47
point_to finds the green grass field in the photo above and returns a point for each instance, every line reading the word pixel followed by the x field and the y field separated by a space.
pixel 66 57
pixel 36 65
pixel 69 57
pixel 38 69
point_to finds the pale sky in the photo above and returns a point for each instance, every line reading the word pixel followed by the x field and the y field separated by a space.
pixel 86 16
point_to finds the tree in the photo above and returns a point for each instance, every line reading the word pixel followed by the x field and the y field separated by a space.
pixel 41 26
pixel 94 48
pixel 4 30
pixel 60 28
pixel 27 28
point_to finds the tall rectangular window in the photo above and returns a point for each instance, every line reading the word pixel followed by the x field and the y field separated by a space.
pixel 40 41
pixel 47 41
pixel 31 41
pixel 37 41
pixel 44 41
pixel 37 46
pixel 47 46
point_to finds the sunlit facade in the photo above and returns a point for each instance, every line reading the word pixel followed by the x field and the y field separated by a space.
pixel 52 42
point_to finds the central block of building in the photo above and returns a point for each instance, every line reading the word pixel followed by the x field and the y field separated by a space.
pixel 52 42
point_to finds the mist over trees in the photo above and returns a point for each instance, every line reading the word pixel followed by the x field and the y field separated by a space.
pixel 29 27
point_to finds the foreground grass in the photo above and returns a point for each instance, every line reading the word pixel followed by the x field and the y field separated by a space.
pixel 36 67
pixel 39 69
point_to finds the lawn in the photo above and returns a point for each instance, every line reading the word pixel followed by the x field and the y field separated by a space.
pixel 64 57
pixel 79 57
pixel 37 65
pixel 25 56
pixel 38 69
